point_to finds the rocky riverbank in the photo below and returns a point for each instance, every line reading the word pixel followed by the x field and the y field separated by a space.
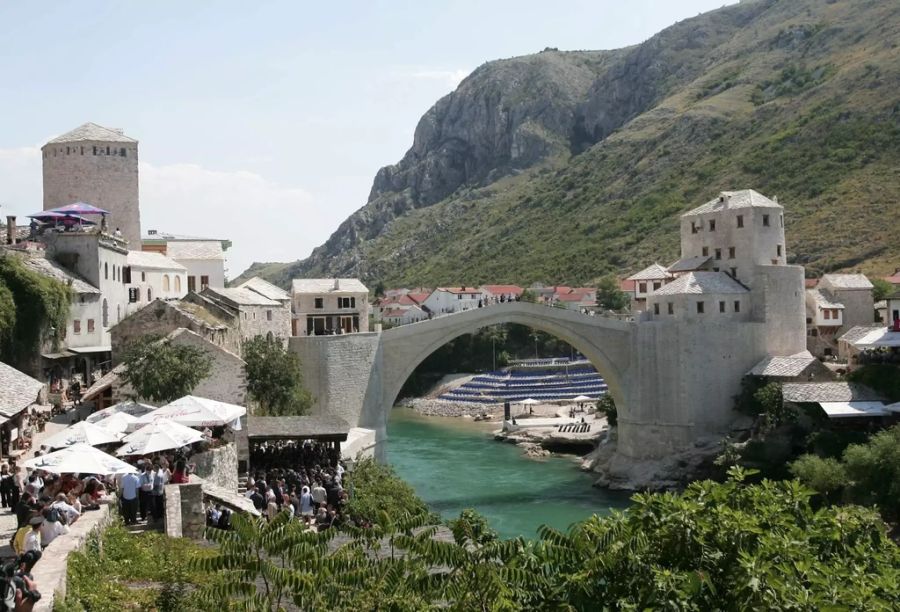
pixel 440 408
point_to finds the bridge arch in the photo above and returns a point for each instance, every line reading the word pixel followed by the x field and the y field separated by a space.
pixel 606 343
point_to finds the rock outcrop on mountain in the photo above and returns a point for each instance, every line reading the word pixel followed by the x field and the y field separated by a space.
pixel 562 166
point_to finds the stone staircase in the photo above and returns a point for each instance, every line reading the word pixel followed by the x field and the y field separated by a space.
pixel 242 485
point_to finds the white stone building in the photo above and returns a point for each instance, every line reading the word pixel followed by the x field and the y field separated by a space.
pixel 204 258
pixel 701 296
pixel 154 276
pixel 837 304
pixel 446 300
pixel 325 306
pixel 99 166
pixel 645 282
pixel 403 315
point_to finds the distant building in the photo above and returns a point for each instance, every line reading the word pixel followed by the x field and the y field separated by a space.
pixel 398 304
pixel 99 166
pixel 203 258
pixel 403 315
pixel 18 393
pixel 647 281
pixel 267 290
pixel 447 300
pixel 255 314
pixel 894 279
pixel 838 303
pixel 496 293
pixel 323 306
pixel 154 276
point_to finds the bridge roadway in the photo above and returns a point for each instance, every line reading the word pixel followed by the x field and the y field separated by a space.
pixel 673 381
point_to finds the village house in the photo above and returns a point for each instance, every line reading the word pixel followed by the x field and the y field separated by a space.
pixel 267 290
pixel 447 300
pixel 18 393
pixel 645 282
pixel 323 306
pixel 203 258
pixel 498 293
pixel 400 308
pixel 154 276
pixel 838 303
pixel 894 279
pixel 255 314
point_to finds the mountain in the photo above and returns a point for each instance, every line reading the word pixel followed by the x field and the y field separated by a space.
pixel 565 166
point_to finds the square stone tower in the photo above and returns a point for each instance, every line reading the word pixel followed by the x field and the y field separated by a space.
pixel 99 166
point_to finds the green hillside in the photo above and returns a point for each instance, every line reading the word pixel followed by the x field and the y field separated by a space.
pixel 799 99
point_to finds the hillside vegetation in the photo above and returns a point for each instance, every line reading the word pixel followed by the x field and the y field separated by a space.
pixel 565 166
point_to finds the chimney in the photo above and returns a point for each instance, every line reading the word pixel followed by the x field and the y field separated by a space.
pixel 775 199
pixel 337 284
pixel 10 229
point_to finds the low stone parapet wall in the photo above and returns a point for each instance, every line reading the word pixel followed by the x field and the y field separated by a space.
pixel 218 466
pixel 51 572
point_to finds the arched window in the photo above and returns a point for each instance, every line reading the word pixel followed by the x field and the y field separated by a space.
pixel 105 313
pixel 149 295
pixel 177 284
pixel 106 270
pixel 166 283
pixel 270 337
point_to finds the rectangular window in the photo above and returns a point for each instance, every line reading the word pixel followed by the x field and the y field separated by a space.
pixel 766 220
pixel 835 315
pixel 740 220
pixel 827 314
pixel 268 315
pixel 778 250
pixel 319 303
pixel 204 282
pixel 76 326
pixel 718 253
pixel 734 273
pixel 731 252
pixel 706 251
pixel 656 309
pixel 712 225
pixel 642 287
pixel 347 302
pixel 656 285
pixel 671 307
pixel 700 307
pixel 721 306
pixel 134 294
pixel 737 306
pixel 782 220
pixel 693 227
pixel 192 283
pixel 126 275
pixel 90 326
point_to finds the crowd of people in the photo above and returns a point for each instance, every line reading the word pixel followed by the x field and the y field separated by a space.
pixel 142 494
pixel 305 478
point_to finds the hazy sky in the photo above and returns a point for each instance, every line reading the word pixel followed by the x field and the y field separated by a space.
pixel 265 122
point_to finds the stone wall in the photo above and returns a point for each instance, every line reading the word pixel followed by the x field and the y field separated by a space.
pixel 261 320
pixel 227 381
pixel 218 466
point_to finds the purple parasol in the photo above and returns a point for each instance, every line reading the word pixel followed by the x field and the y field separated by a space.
pixel 50 216
pixel 79 208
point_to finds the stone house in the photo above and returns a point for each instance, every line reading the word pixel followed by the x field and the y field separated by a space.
pixel 801 367
pixel 838 303
pixel 254 314
pixel 323 306
pixel 203 258
pixel 645 282
pixel 268 290
pixel 446 300
pixel 18 393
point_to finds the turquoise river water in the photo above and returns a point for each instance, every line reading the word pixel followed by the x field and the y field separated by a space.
pixel 455 464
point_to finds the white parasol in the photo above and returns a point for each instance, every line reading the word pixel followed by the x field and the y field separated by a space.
pixel 119 422
pixel 79 458
pixel 158 436
pixel 81 433
pixel 582 398
pixel 134 409
pixel 195 411
pixel 528 402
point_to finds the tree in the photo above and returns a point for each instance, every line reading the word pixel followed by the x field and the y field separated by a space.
pixel 163 372
pixel 274 378
pixel 609 295
pixel 881 289
pixel 529 296
pixel 606 406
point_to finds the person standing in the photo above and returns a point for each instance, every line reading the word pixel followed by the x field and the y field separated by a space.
pixel 131 484
pixel 146 491
pixel 5 486
pixel 15 489
pixel 158 499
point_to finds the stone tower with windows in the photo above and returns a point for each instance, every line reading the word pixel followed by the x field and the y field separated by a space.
pixel 99 166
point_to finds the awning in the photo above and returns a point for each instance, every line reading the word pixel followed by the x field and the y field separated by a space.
pixel 879 337
pixel 90 349
pixel 59 355
pixel 839 410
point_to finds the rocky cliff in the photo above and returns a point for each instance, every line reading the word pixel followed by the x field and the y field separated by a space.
pixel 562 166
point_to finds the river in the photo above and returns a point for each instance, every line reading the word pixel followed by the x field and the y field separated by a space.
pixel 455 464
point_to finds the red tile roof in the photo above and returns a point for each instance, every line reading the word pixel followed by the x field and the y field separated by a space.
pixel 811 283
pixel 418 298
pixel 626 285
pixel 503 289
pixel 456 290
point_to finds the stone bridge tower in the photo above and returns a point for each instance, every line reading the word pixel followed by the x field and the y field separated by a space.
pixel 99 166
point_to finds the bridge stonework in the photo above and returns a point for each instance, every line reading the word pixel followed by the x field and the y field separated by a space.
pixel 673 380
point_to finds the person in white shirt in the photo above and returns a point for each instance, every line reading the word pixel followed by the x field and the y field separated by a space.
pixel 51 528
pixel 146 490
pixel 33 537
pixel 63 506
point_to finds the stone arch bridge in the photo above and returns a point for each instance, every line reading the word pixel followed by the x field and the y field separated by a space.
pixel 673 381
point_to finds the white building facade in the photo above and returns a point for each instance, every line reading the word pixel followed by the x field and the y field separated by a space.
pixel 154 277
pixel 326 306
pixel 203 258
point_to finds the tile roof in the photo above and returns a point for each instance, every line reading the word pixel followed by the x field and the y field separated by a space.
pixel 52 269
pixel 418 298
pixel 810 283
pixel 878 337
pixel 828 392
pixel 847 281
pixel 652 272
pixel 265 288
pixel 195 249
pixel 326 285
pixel 690 263
pixel 727 200
pixel 17 390
pixel 153 261
pixel 626 285
pixel 702 283
pixel 858 332
pixel 823 298
pixel 503 289
pixel 462 290
pixel 296 426
pixel 782 366
pixel 93 132
pixel 241 296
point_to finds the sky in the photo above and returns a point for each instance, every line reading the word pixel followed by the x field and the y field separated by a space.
pixel 265 122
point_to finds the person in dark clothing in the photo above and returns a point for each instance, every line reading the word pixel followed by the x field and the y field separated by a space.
pixel 279 498
pixel 258 500
pixel 23 510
